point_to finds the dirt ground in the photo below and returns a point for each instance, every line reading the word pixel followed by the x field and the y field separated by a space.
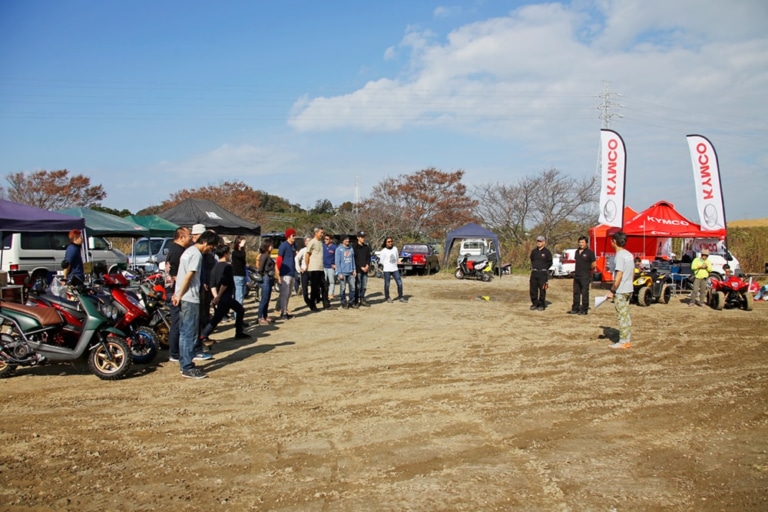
pixel 462 399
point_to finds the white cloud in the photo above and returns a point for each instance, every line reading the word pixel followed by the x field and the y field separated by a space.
pixel 232 162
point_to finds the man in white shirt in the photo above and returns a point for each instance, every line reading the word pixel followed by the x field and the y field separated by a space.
pixel 389 257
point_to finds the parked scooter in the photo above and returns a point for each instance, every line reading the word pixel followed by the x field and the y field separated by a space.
pixel 32 334
pixel 132 317
pixel 474 267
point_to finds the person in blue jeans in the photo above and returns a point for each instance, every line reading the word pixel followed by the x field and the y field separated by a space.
pixel 346 272
pixel 329 264
pixel 182 239
pixel 389 258
pixel 187 296
pixel 267 271
pixel 239 265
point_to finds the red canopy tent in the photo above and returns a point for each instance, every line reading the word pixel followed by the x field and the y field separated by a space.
pixel 645 232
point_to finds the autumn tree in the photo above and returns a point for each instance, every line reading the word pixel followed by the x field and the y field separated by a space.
pixel 423 205
pixel 54 190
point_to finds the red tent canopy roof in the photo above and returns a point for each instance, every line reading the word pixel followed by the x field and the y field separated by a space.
pixel 661 219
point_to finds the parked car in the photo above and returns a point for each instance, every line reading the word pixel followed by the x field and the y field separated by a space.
pixel 418 258
pixel 149 253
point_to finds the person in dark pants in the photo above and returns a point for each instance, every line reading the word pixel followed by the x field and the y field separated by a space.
pixel 222 282
pixel 541 260
pixel 582 277
pixel 182 239
pixel 362 265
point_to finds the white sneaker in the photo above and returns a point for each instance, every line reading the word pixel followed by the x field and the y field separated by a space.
pixel 620 345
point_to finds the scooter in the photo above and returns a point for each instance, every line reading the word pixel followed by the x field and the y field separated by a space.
pixel 474 267
pixel 132 317
pixel 30 335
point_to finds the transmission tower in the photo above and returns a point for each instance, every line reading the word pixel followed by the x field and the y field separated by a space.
pixel 608 106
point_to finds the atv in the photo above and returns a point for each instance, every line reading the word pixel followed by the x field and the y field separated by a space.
pixel 652 287
pixel 731 293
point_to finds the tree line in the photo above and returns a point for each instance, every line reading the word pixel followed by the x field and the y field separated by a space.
pixel 422 206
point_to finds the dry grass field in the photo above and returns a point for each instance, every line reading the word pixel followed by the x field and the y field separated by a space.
pixel 462 399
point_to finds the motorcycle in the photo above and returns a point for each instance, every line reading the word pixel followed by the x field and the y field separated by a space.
pixel 32 334
pixel 132 317
pixel 159 314
pixel 474 267
pixel 376 268
pixel 734 292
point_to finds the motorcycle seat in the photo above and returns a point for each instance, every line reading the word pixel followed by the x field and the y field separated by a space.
pixel 45 316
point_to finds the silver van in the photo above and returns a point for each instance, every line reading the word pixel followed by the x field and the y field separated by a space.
pixel 42 253
pixel 149 253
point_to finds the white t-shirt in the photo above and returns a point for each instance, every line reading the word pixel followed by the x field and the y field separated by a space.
pixel 388 258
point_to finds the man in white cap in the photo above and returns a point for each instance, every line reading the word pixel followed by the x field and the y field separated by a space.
pixel 541 260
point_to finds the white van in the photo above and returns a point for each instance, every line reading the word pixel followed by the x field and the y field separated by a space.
pixel 42 253
pixel 473 247
pixel 149 253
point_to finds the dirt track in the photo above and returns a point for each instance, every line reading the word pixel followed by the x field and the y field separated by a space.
pixel 449 402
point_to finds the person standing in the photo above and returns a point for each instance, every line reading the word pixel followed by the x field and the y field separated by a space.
pixel 329 264
pixel 267 271
pixel 182 238
pixel 701 268
pixel 301 266
pixel 541 260
pixel 362 264
pixel 345 270
pixel 285 271
pixel 239 270
pixel 187 296
pixel 73 257
pixel 582 277
pixel 223 290
pixel 389 257
pixel 314 261
pixel 621 291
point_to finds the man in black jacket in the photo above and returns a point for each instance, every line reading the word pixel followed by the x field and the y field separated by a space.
pixel 541 260
pixel 582 277
pixel 362 264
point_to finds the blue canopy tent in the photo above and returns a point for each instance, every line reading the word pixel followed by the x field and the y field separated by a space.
pixel 469 231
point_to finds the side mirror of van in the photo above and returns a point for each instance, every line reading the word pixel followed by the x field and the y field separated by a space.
pixel 165 252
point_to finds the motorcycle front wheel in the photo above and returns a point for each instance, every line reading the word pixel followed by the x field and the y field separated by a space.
pixel 111 359
pixel 144 343
pixel 459 274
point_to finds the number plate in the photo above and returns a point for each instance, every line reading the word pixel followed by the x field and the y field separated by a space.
pixel 409 267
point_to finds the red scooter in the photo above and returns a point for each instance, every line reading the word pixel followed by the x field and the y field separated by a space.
pixel 131 318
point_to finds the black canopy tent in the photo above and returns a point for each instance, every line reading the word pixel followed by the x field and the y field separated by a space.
pixel 211 215
pixel 470 231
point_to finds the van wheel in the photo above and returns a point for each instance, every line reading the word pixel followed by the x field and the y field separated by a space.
pixel 39 275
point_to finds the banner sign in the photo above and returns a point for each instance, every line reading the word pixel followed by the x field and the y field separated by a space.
pixel 706 176
pixel 613 162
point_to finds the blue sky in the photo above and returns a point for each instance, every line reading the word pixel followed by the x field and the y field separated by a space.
pixel 304 99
